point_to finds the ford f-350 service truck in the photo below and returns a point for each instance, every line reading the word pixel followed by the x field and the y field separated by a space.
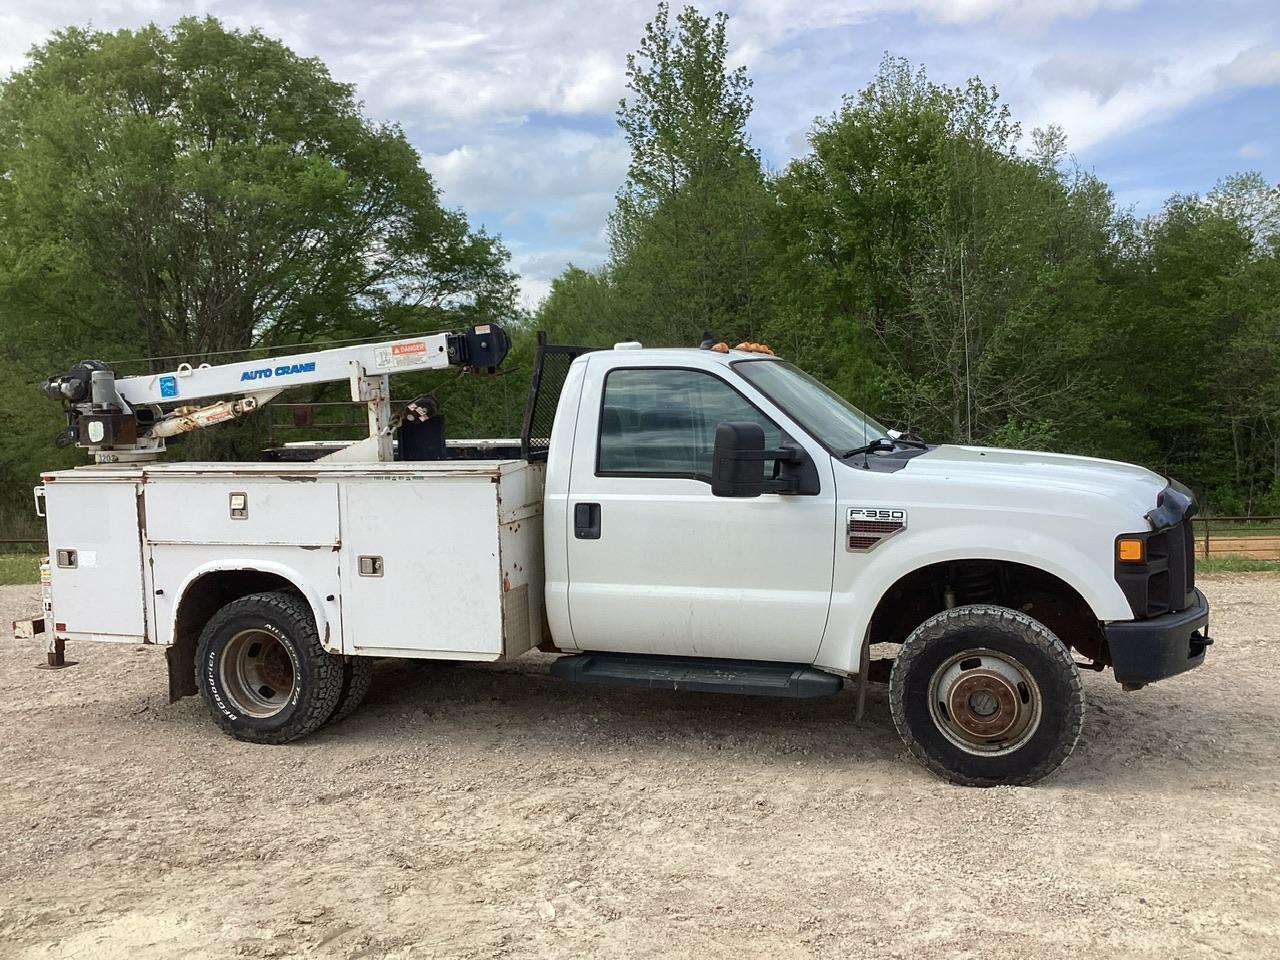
pixel 701 519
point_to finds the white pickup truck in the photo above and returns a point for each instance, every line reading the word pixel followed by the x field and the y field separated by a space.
pixel 675 518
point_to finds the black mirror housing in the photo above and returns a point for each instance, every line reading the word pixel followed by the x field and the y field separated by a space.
pixel 739 456
pixel 737 462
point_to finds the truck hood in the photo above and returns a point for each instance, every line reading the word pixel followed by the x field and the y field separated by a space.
pixel 1135 486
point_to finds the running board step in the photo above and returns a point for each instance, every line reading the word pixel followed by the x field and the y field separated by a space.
pixel 750 677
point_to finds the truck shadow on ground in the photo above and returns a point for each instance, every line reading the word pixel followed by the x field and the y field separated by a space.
pixel 1128 739
pixel 525 700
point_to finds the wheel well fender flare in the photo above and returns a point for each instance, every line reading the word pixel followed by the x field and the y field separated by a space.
pixel 282 571
pixel 859 653
pixel 250 576
pixel 901 557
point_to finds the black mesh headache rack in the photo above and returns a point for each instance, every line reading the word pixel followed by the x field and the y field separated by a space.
pixel 550 368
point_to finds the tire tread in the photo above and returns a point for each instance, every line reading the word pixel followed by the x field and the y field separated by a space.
pixel 357 677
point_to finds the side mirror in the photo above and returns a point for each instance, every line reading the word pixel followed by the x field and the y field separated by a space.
pixel 737 461
pixel 739 456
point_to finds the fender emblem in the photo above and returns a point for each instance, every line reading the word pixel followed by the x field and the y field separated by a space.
pixel 871 526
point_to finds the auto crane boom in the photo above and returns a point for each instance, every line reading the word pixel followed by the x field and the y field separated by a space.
pixel 128 419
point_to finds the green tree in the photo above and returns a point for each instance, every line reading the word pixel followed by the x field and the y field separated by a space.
pixel 197 190
pixel 686 235
pixel 946 280
pixel 1201 288
pixel 213 188
pixel 581 308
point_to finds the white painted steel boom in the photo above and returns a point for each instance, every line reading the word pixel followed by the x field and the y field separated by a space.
pixel 270 376
pixel 129 419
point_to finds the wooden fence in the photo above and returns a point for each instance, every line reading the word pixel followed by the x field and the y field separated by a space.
pixel 1257 538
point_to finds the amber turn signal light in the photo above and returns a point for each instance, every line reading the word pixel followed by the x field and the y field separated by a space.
pixel 1130 550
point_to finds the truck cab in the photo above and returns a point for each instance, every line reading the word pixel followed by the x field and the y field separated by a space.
pixel 799 574
pixel 846 536
pixel 708 519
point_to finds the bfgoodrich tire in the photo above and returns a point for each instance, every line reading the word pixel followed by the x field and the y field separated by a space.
pixel 984 695
pixel 357 677
pixel 262 671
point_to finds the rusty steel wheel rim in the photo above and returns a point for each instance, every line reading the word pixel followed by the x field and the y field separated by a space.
pixel 985 702
pixel 257 673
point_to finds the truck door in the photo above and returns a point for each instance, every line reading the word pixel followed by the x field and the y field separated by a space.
pixel 659 565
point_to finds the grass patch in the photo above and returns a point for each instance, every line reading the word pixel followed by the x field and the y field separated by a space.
pixel 1236 565
pixel 19 568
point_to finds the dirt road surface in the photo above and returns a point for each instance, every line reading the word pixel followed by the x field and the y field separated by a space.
pixel 493 811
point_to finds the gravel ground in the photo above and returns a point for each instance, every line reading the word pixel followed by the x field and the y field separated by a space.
pixel 484 811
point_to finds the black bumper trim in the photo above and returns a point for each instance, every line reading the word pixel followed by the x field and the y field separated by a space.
pixel 1144 651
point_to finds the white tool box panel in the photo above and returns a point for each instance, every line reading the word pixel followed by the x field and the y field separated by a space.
pixel 433 559
pixel 421 574
pixel 227 509
pixel 95 559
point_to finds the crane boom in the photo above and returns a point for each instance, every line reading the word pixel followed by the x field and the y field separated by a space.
pixel 128 419
pixel 247 378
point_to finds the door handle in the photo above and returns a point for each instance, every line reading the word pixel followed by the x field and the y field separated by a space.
pixel 586 521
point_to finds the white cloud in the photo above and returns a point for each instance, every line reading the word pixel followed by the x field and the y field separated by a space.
pixel 1100 75
pixel 497 168
pixel 1104 97
pixel 533 290
pixel 1257 66
pixel 511 103
pixel 496 59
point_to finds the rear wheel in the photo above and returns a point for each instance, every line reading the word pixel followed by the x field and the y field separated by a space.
pixel 262 671
pixel 357 677
pixel 985 695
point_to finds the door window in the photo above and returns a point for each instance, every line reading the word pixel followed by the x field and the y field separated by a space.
pixel 663 422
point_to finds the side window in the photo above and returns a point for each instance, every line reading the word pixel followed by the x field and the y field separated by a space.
pixel 663 422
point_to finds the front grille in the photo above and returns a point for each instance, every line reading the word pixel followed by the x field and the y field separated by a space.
pixel 1165 581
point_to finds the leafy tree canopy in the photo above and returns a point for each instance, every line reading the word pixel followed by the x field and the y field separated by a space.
pixel 203 189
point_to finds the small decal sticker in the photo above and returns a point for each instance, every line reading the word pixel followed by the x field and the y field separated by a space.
pixel 168 386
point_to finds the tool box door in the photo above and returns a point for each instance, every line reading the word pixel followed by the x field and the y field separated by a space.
pixel 95 559
pixel 420 569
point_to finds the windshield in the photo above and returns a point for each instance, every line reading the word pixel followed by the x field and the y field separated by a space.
pixel 828 417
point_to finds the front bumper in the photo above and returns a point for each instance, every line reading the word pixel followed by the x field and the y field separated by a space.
pixel 1144 651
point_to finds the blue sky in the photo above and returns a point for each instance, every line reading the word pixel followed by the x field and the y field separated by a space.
pixel 511 104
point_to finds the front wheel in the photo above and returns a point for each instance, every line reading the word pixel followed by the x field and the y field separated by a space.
pixel 263 672
pixel 984 695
